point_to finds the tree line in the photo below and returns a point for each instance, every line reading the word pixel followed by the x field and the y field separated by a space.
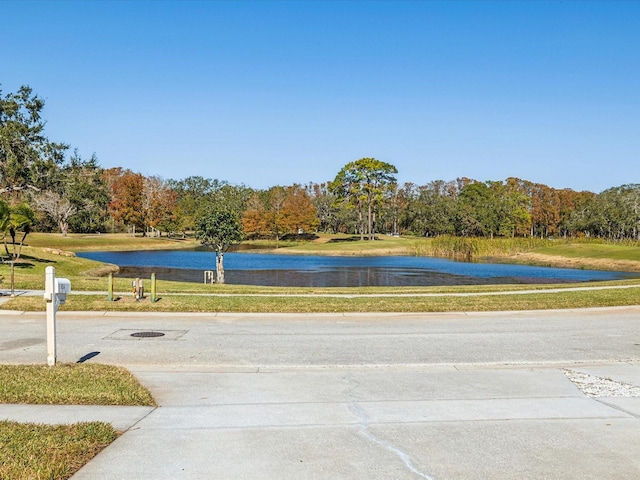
pixel 48 187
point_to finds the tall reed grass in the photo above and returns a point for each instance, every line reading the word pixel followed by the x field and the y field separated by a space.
pixel 472 247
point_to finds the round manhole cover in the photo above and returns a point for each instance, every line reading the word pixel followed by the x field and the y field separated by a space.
pixel 147 334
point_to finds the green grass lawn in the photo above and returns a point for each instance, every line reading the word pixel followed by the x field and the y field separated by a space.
pixel 71 384
pixel 77 242
pixel 55 452
pixel 50 452
pixel 375 300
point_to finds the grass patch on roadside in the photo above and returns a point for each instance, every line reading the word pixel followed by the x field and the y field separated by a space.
pixel 55 452
pixel 453 300
pixel 46 452
pixel 71 384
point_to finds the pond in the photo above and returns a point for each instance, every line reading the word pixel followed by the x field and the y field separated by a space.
pixel 325 271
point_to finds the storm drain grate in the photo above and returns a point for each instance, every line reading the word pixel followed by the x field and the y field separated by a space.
pixel 137 334
pixel 147 334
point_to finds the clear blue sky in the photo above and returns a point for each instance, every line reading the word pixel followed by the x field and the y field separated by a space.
pixel 274 93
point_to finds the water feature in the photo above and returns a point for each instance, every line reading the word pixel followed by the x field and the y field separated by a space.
pixel 325 271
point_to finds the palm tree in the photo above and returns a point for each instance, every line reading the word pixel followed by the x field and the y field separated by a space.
pixel 13 221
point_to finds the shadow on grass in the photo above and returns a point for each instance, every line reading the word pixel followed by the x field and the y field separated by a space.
pixel 26 261
pixel 145 299
pixel 299 236
pixel 35 259
pixel 21 265
pixel 342 240
pixel 25 265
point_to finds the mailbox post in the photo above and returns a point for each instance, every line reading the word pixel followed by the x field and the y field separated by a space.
pixel 55 294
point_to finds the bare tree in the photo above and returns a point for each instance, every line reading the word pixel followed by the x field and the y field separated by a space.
pixel 58 207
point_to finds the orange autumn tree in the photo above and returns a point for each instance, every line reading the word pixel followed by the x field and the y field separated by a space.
pixel 280 211
pixel 299 213
pixel 545 210
pixel 127 197
pixel 253 219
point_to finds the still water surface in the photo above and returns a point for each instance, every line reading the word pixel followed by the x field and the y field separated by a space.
pixel 323 271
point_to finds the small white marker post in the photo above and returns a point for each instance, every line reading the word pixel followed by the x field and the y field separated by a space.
pixel 55 294
pixel 50 297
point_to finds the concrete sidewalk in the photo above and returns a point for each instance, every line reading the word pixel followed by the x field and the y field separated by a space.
pixel 498 423
pixel 122 418
pixel 407 423
pixel 452 396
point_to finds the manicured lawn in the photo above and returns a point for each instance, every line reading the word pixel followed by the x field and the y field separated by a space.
pixel 71 384
pixel 49 452
pixel 55 452
pixel 77 242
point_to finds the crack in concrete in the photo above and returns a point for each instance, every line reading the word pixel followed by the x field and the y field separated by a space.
pixel 363 424
pixel 363 418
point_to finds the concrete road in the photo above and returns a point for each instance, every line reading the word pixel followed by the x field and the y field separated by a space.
pixel 436 396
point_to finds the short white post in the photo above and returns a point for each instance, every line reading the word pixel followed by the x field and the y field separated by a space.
pixel 51 298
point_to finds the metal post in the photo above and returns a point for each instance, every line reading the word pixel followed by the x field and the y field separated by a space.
pixel 153 288
pixel 110 288
pixel 138 289
pixel 50 297
pixel 13 268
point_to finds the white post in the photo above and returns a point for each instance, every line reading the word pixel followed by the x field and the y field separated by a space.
pixel 50 297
